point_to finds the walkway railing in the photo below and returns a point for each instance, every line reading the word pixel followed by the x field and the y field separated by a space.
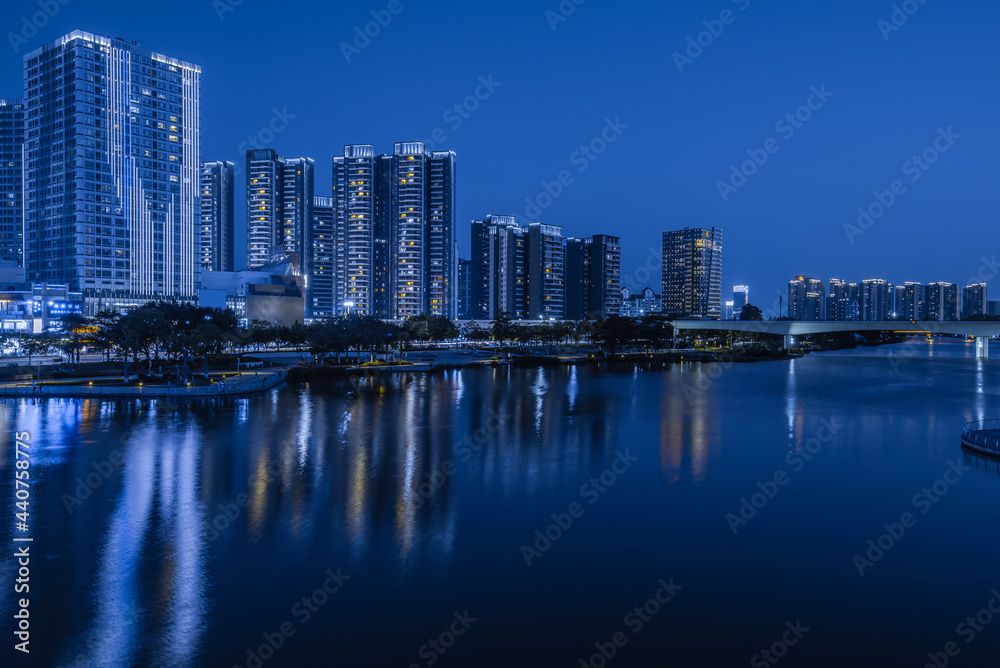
pixel 983 436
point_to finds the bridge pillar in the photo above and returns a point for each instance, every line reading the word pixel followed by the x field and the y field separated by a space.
pixel 982 347
pixel 789 341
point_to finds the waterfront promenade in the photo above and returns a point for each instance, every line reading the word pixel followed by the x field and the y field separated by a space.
pixel 245 383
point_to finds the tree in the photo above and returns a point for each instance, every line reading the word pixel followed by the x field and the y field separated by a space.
pixel 36 344
pixel 75 326
pixel 615 332
pixel 750 312
pixel 503 328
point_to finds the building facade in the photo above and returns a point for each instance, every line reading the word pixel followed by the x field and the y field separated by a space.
pixel 11 184
pixel 546 262
pixel 464 289
pixel 395 225
pixel 111 170
pixel 640 304
pixel 876 299
pixel 974 300
pixel 593 277
pixel 324 252
pixel 692 273
pixel 498 274
pixel 806 299
pixel 218 226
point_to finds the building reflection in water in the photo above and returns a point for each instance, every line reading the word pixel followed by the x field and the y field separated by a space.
pixel 141 603
pixel 370 468
pixel 689 425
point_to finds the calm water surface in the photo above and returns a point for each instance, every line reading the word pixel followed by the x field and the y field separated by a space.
pixel 187 535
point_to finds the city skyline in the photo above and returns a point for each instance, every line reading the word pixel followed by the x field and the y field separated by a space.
pixel 763 219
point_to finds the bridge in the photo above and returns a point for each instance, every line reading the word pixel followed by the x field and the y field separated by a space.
pixel 980 330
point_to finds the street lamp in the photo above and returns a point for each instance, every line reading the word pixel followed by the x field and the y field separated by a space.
pixel 348 306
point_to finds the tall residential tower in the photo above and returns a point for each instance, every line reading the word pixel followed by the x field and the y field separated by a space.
pixel 11 186
pixel 217 217
pixel 692 273
pixel 112 165
pixel 395 229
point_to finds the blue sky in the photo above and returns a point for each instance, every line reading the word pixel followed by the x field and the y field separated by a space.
pixel 556 84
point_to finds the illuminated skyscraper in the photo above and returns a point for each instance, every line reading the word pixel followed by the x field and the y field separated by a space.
pixel 498 276
pixel 692 273
pixel 324 252
pixel 806 299
pixel 279 208
pixel 876 299
pixel 217 251
pixel 11 186
pixel 112 170
pixel 395 225
pixel 974 300
pixel 546 269
pixel 593 277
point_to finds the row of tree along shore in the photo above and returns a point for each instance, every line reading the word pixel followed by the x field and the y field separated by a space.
pixel 185 336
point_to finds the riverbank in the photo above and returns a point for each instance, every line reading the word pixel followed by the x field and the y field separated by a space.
pixel 241 385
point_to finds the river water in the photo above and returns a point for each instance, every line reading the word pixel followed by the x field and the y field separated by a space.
pixel 694 515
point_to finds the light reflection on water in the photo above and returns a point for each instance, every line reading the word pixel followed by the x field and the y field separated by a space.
pixel 153 562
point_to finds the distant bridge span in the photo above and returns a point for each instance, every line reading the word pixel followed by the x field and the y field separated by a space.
pixel 789 329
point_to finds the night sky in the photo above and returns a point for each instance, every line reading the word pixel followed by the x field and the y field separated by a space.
pixel 556 90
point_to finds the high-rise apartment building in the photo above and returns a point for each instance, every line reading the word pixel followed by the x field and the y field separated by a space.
pixel 323 262
pixel 395 224
pixel 692 273
pixel 806 299
pixel 297 200
pixel 464 289
pixel 546 262
pixel 741 297
pixel 914 306
pixel 11 184
pixel 442 239
pixel 943 301
pixel 218 227
pixel 593 277
pixel 974 300
pixel 111 170
pixel 279 208
pixel 499 280
pixel 265 177
pixel 876 299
